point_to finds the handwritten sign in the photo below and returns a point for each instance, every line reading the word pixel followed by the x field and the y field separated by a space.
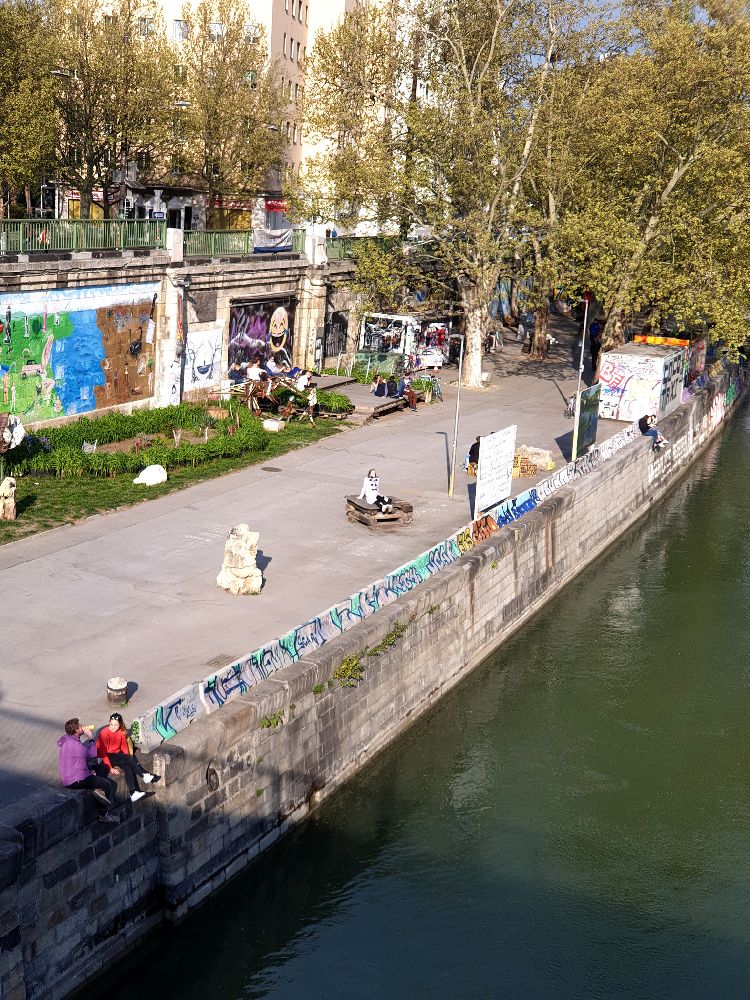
pixel 495 472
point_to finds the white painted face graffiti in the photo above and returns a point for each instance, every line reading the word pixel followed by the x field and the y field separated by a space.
pixel 278 330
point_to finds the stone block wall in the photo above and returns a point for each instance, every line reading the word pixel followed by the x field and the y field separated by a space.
pixel 74 894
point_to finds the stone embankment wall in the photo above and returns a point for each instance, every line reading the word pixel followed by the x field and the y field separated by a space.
pixel 73 894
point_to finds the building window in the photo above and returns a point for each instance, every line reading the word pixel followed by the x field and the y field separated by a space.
pixel 294 8
pixel 296 93
pixel 288 130
pixel 143 159
pixel 290 90
pixel 251 32
pixel 251 79
pixel 291 49
pixel 286 6
pixel 178 165
pixel 294 133
pixel 145 26
pixel 216 30
pixel 307 11
pixel 179 30
pixel 298 48
pixel 285 44
pixel 180 74
pixel 109 20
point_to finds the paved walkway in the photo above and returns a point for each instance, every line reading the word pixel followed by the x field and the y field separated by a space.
pixel 133 592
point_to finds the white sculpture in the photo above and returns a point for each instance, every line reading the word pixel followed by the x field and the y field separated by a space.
pixel 239 574
pixel 274 426
pixel 8 499
pixel 152 475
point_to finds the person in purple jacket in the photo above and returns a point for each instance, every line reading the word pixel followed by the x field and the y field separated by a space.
pixel 80 768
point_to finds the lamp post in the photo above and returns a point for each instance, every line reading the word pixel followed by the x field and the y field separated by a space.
pixel 185 286
pixel 455 423
pixel 574 453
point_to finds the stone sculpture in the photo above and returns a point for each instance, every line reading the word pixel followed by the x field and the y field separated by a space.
pixel 239 574
pixel 8 499
pixel 152 475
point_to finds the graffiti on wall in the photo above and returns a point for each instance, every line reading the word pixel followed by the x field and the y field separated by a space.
pixel 74 350
pixel 236 679
pixel 203 356
pixel 261 329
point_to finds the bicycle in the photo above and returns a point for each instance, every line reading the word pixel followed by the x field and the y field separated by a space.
pixel 437 391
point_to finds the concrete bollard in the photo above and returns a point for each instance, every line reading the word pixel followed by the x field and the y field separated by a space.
pixel 117 689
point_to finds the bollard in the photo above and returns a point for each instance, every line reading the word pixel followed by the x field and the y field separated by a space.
pixel 117 689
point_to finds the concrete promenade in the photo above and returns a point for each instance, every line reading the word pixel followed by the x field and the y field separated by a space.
pixel 133 592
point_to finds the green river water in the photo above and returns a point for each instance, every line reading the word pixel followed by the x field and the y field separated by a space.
pixel 572 821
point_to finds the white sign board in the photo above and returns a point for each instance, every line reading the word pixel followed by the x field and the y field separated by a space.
pixel 495 472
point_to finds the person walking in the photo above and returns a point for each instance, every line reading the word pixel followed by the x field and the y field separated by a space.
pixel 117 754
pixel 371 493
pixel 79 767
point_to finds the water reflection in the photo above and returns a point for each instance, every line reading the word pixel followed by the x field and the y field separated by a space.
pixel 572 821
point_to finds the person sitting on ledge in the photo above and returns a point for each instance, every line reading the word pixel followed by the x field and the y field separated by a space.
pixel 647 427
pixel 392 387
pixel 79 767
pixel 113 747
pixel 378 387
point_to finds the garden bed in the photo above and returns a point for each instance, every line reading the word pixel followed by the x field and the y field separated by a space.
pixel 186 435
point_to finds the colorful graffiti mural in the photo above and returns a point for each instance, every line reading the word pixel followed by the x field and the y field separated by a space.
pixel 261 329
pixel 236 679
pixel 74 350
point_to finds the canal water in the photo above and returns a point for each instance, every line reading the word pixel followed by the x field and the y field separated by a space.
pixel 572 821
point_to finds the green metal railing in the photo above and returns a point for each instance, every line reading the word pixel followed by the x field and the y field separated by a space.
pixel 217 242
pixel 28 235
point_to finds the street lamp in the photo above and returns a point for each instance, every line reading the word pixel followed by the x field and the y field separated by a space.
pixel 185 286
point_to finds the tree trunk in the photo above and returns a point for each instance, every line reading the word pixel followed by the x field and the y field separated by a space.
pixel 538 350
pixel 475 320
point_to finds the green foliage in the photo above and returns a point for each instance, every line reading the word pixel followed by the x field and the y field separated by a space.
pixel 318 689
pixel 57 450
pixel 433 608
pixel 350 673
pixel 389 640
pixel 273 720
pixel 232 127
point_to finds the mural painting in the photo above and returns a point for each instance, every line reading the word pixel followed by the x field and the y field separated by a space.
pixel 75 350
pixel 261 329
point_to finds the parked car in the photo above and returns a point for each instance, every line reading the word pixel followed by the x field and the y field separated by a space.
pixel 431 357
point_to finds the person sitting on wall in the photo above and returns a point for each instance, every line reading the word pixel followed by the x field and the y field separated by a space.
pixel 378 387
pixel 392 387
pixel 80 768
pixel 303 382
pixel 371 493
pixel 116 753
pixel 647 427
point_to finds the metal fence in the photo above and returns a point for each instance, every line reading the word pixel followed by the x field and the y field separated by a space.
pixel 218 242
pixel 29 235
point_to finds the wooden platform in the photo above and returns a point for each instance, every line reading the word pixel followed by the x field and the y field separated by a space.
pixel 373 517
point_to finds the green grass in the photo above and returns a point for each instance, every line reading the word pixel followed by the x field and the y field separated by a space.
pixel 44 502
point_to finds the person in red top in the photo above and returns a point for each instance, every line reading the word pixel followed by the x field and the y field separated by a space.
pixel 112 746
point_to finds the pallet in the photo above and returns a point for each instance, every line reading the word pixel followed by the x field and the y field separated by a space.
pixel 361 512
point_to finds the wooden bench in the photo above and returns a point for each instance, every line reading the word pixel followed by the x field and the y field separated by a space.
pixel 370 515
pixel 390 404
